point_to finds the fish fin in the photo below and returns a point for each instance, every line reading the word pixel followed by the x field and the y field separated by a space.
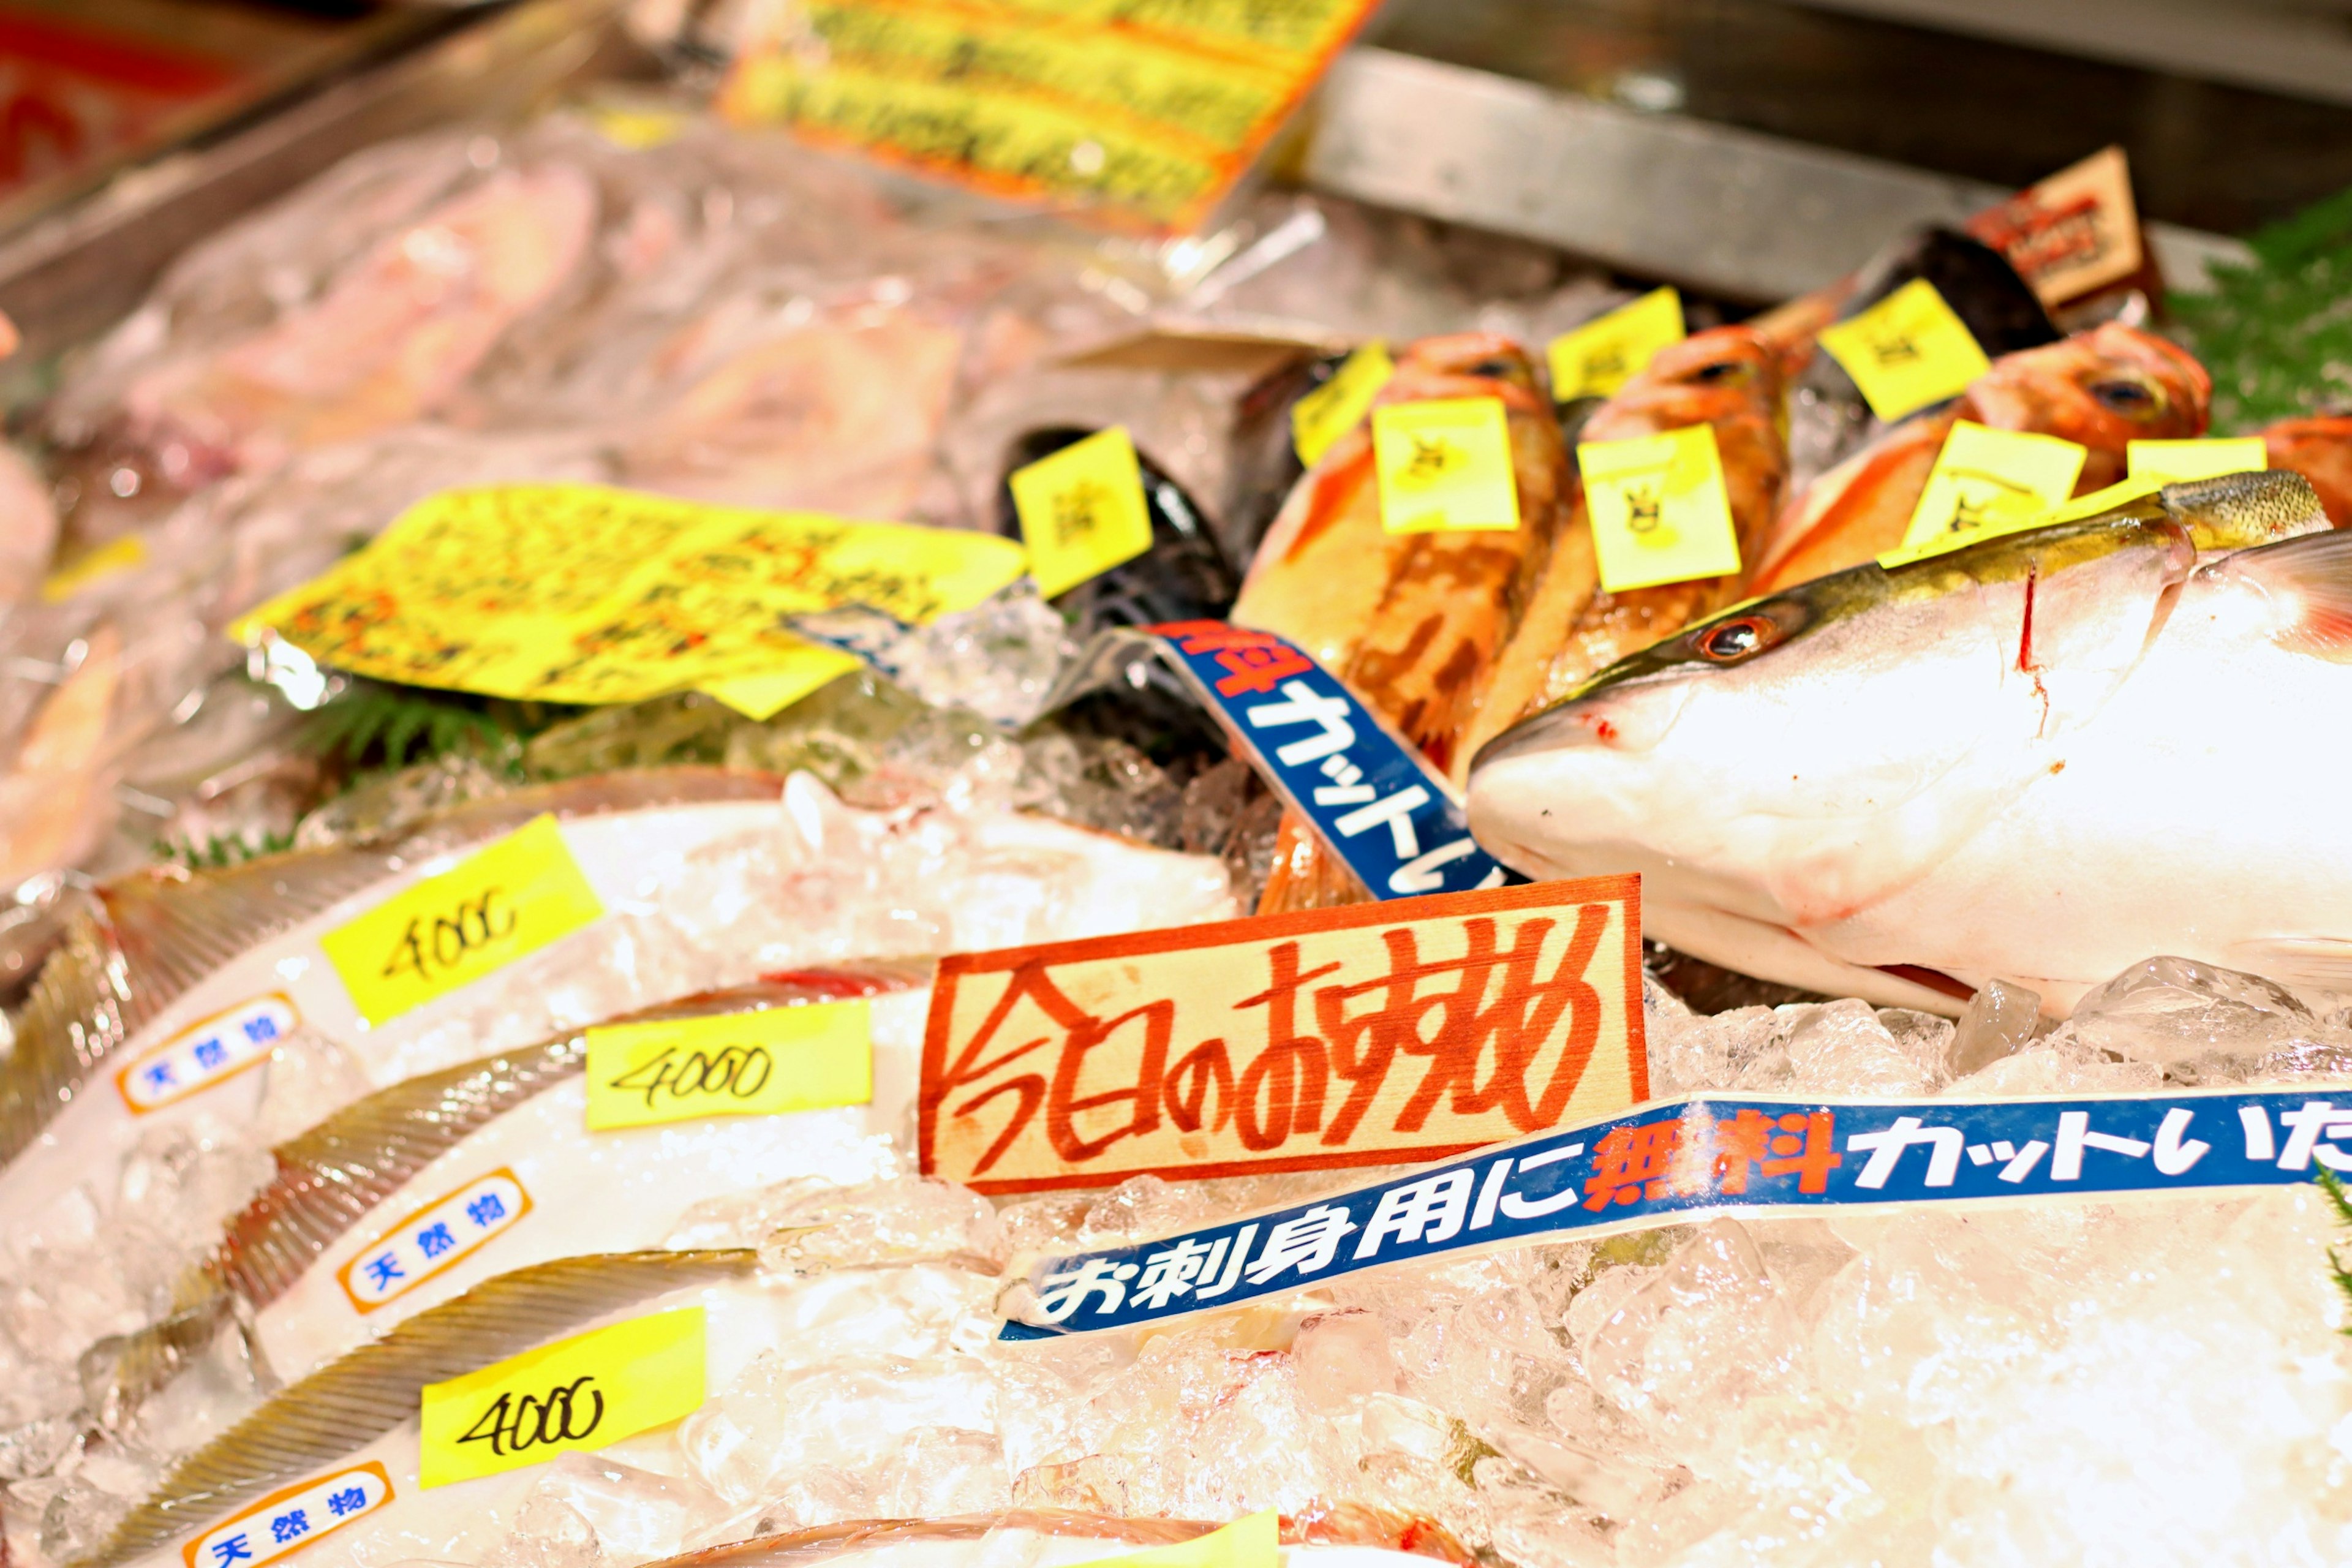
pixel 2312 963
pixel 164 929
pixel 350 1402
pixel 2238 510
pixel 332 1176
pixel 1766 952
pixel 2309 580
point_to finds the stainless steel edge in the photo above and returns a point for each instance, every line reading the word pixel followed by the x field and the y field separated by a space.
pixel 1728 211
pixel 67 277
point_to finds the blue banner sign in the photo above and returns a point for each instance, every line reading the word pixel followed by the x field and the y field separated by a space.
pixel 1372 798
pixel 1675 1161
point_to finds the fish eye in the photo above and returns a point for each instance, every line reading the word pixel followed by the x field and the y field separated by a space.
pixel 1728 642
pixel 1495 369
pixel 2130 397
pixel 1721 370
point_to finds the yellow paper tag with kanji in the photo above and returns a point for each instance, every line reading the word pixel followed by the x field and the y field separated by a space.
pixel 1444 464
pixel 1597 358
pixel 1082 511
pixel 1332 409
pixel 798 673
pixel 1906 352
pixel 106 561
pixel 1987 482
pixel 739 1064
pixel 497 905
pixel 1254 1541
pixel 2178 462
pixel 587 1392
pixel 1659 510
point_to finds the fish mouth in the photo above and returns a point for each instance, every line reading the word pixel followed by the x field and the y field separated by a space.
pixel 1605 720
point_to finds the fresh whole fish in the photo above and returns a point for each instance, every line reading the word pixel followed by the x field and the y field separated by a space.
pixel 2104 389
pixel 1828 419
pixel 512 1126
pixel 2038 759
pixel 709 879
pixel 1727 379
pixel 1410 621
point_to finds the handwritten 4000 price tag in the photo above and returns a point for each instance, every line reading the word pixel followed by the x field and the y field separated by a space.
pixel 740 1064
pixel 497 905
pixel 1367 1034
pixel 587 1392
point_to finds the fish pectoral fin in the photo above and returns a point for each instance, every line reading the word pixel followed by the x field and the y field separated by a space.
pixel 1775 952
pixel 2314 963
pixel 2309 581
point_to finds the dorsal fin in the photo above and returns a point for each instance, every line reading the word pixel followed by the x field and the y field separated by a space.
pixel 349 1403
pixel 2308 581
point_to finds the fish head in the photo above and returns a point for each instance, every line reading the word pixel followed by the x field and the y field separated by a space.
pixel 2103 388
pixel 2319 447
pixel 1801 756
pixel 1722 375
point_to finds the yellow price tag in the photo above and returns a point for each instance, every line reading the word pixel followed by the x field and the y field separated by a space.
pixel 497 905
pixel 798 673
pixel 1446 465
pixel 1906 352
pixel 1332 409
pixel 1254 1541
pixel 1989 481
pixel 1597 358
pixel 1082 511
pixel 2178 462
pixel 587 1392
pixel 123 555
pixel 742 1064
pixel 1660 513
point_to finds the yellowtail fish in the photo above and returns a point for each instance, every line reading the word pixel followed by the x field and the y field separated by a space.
pixel 2040 758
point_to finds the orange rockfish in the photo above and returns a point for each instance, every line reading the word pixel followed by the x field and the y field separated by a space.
pixel 1728 379
pixel 2104 388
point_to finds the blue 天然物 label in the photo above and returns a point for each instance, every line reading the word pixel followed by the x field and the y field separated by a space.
pixel 1675 1161
pixel 1371 797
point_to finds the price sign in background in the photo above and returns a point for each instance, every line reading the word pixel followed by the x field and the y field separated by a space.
pixel 587 1392
pixel 742 1064
pixel 498 904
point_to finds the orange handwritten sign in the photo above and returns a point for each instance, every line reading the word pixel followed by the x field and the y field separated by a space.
pixel 1374 1034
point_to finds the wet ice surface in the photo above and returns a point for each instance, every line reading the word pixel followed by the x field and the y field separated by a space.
pixel 2084 1383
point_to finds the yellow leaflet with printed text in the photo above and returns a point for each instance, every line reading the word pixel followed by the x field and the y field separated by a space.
pixel 1082 511
pixel 739 1063
pixel 587 1392
pixel 1906 352
pixel 498 904
pixel 1660 513
pixel 1146 111
pixel 1318 419
pixel 585 594
pixel 1597 358
pixel 1444 464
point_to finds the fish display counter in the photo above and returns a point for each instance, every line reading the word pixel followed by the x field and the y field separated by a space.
pixel 715 857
